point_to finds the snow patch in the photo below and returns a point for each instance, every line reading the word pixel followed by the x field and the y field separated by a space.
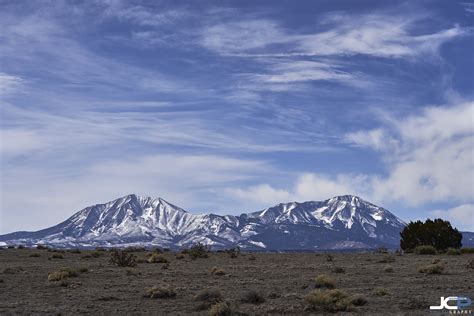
pixel 258 243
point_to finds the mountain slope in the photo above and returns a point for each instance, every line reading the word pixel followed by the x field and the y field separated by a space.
pixel 338 223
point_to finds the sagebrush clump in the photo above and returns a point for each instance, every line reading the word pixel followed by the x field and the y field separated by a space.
pixel 252 297
pixel 333 301
pixel 62 274
pixel 453 252
pixel 324 281
pixel 217 271
pixel 198 250
pixel 157 258
pixel 437 268
pixel 207 298
pixel 131 271
pixel 122 258
pixel 221 309
pixel 160 292
pixel 380 291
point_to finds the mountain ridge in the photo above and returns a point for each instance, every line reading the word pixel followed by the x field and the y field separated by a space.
pixel 341 222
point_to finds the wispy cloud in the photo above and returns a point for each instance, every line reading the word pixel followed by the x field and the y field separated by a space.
pixel 9 83
pixel 287 55
pixel 381 35
pixel 468 7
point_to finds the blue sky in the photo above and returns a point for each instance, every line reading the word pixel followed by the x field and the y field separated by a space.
pixel 233 106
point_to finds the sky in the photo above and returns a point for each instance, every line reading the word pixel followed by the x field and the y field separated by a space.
pixel 234 106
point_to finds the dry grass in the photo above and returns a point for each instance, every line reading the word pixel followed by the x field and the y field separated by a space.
pixel 157 258
pixel 437 268
pixel 380 291
pixel 221 309
pixel 160 292
pixel 62 274
pixel 324 281
pixel 334 300
pixel 217 271
pixel 132 271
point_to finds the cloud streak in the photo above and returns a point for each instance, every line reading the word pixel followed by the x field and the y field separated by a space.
pixel 379 35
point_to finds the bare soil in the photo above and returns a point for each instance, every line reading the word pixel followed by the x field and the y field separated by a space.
pixel 282 279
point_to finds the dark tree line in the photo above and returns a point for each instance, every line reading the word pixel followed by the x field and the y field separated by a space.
pixel 437 233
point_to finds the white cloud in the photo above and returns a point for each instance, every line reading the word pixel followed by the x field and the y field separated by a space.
pixel 242 36
pixel 284 72
pixel 468 7
pixel 461 217
pixel 263 194
pixel 375 138
pixel 140 15
pixel 383 35
pixel 9 83
pixel 376 35
pixel 19 141
pixel 307 187
pixel 313 186
pixel 429 158
pixel 288 55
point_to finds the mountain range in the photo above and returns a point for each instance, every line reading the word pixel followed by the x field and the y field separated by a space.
pixel 342 222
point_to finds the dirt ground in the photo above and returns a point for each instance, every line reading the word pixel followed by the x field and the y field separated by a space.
pixel 282 279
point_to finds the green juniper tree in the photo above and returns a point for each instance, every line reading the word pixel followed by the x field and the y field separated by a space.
pixel 437 233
